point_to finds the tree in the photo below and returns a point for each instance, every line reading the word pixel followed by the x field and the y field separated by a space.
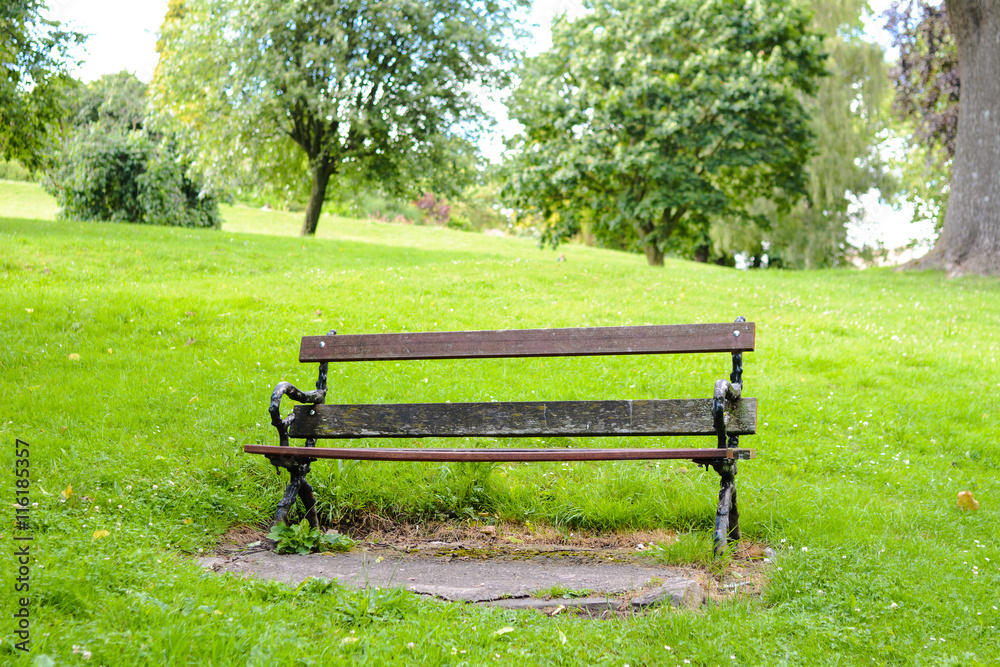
pixel 847 116
pixel 646 119
pixel 927 83
pixel 111 167
pixel 357 90
pixel 33 56
pixel 970 237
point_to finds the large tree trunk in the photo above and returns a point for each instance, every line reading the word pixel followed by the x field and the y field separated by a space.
pixel 970 239
pixel 654 255
pixel 321 177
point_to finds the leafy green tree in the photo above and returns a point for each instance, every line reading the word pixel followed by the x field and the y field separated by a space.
pixel 359 91
pixel 111 167
pixel 33 56
pixel 646 119
pixel 847 113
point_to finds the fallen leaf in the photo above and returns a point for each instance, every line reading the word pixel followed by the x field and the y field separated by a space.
pixel 193 399
pixel 68 491
pixel 503 631
pixel 98 534
pixel 111 350
pixel 187 520
pixel 556 612
pixel 967 502
pixel 562 635
pixel 74 357
pixel 348 640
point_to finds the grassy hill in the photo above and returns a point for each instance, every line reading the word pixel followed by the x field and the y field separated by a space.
pixel 137 361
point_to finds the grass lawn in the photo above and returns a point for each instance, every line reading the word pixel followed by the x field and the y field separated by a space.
pixel 137 361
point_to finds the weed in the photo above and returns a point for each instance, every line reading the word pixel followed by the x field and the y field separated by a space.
pixel 561 592
pixel 300 538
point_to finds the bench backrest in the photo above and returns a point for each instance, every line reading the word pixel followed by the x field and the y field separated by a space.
pixel 594 341
pixel 520 419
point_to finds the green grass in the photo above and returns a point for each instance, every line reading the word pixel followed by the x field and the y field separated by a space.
pixel 877 406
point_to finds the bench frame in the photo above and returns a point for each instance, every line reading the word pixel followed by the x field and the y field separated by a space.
pixel 516 419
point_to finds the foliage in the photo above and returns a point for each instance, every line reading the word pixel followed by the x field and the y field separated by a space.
pixel 847 117
pixel 110 167
pixel 12 170
pixel 363 92
pixel 387 209
pixel 33 59
pixel 301 538
pixel 927 82
pixel 436 209
pixel 646 119
pixel 926 76
pixel 113 99
pixel 478 208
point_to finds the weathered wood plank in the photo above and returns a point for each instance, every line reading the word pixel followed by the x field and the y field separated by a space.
pixel 593 341
pixel 536 418
pixel 498 455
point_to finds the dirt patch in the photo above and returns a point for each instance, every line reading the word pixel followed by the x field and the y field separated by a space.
pixel 503 534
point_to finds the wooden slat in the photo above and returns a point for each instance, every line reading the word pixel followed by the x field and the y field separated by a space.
pixel 497 455
pixel 536 418
pixel 657 339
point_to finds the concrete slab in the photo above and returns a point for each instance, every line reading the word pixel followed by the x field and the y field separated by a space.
pixel 590 584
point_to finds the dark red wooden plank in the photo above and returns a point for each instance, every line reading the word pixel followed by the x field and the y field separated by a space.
pixel 497 455
pixel 534 418
pixel 656 339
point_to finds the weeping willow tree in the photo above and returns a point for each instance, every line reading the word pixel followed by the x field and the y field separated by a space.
pixel 846 119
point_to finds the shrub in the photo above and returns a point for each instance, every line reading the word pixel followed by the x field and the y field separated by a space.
pixel 107 173
pixel 375 207
pixel 112 167
pixel 15 171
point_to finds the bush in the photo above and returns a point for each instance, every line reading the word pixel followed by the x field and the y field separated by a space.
pixel 15 171
pixel 107 173
pixel 388 210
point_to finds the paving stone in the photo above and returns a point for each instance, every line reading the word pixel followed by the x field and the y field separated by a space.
pixel 677 592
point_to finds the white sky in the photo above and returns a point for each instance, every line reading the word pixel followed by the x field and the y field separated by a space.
pixel 122 36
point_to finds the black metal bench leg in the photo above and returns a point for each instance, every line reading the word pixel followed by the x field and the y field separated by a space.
pixel 297 487
pixel 734 512
pixel 309 502
pixel 727 517
pixel 286 502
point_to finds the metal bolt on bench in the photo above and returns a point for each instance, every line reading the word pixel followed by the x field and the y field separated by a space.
pixel 727 415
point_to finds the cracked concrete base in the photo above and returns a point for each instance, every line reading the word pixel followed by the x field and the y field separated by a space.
pixel 573 580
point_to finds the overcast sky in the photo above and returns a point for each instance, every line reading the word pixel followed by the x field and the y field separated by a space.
pixel 122 36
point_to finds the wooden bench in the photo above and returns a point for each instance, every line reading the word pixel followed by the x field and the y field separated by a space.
pixel 726 415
